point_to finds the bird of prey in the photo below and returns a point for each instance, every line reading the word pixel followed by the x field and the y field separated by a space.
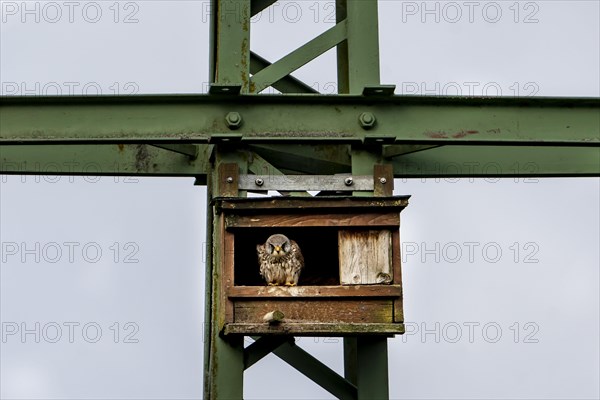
pixel 280 261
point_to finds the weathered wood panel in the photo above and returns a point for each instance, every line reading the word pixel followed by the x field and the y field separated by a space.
pixel 228 179
pixel 228 250
pixel 390 291
pixel 313 329
pixel 383 180
pixel 365 257
pixel 302 204
pixel 398 304
pixel 308 311
pixel 341 220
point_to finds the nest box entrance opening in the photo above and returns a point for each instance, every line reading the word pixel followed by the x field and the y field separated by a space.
pixel 319 247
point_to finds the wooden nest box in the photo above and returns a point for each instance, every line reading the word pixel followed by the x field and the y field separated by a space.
pixel 351 283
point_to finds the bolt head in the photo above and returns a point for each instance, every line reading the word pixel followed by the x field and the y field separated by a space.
pixel 233 120
pixel 259 182
pixel 367 120
pixel 229 179
pixel 349 181
pixel 383 181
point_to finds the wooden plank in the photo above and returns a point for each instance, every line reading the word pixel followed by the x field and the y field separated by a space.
pixel 315 291
pixel 301 204
pixel 365 257
pixel 219 273
pixel 397 267
pixel 307 311
pixel 383 180
pixel 228 271
pixel 228 179
pixel 322 220
pixel 321 329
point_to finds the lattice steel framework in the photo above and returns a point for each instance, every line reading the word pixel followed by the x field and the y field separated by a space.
pixel 364 125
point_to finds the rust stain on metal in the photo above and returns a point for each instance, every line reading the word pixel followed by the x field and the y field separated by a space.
pixel 462 134
pixel 445 135
pixel 245 51
pixel 437 135
pixel 121 147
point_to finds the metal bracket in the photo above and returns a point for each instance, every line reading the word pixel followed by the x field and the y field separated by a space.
pixel 228 89
pixel 374 138
pixel 225 137
pixel 342 182
pixel 379 90
pixel 258 165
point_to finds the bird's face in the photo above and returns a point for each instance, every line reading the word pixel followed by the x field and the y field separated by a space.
pixel 278 245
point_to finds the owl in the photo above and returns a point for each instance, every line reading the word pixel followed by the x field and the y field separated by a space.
pixel 280 261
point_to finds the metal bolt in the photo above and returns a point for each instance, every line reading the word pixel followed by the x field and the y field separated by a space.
pixel 229 179
pixel 383 181
pixel 234 120
pixel 259 182
pixel 349 181
pixel 367 120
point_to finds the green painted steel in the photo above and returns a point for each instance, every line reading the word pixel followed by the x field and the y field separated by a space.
pixel 272 119
pixel 358 56
pixel 316 371
pixel 223 358
pixel 372 372
pixel 259 166
pixel 288 84
pixel 208 291
pixel 431 162
pixel 109 159
pixel 262 347
pixel 231 42
pixel 259 5
pixel 497 162
pixel 297 58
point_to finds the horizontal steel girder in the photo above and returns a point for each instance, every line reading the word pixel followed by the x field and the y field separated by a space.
pixel 110 159
pixel 300 118
pixel 443 161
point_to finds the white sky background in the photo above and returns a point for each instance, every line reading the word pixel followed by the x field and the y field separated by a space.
pixel 541 291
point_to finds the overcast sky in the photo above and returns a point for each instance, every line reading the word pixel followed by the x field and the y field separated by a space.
pixel 501 277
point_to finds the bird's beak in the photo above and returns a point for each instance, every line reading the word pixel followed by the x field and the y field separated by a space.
pixel 277 249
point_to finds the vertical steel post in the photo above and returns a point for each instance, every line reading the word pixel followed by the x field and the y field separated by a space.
pixel 230 43
pixel 358 55
pixel 224 358
pixel 365 359
pixel 372 371
pixel 229 66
